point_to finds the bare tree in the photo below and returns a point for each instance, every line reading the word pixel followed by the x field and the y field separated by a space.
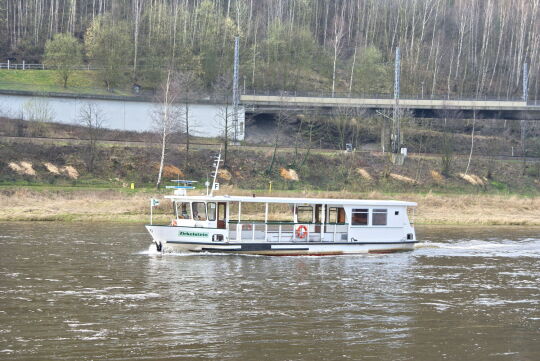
pixel 523 125
pixel 310 124
pixel 137 10
pixel 346 121
pixel 225 114
pixel 187 88
pixel 166 118
pixel 281 120
pixel 337 44
pixel 93 119
pixel 472 142
pixel 38 110
pixel 341 122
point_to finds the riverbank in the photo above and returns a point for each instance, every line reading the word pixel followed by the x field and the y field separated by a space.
pixel 110 205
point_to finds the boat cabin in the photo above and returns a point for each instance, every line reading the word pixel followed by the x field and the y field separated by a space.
pixel 276 220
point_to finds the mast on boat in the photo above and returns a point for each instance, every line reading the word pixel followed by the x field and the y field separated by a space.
pixel 215 185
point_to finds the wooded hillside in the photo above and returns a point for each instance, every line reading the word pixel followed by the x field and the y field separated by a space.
pixel 450 47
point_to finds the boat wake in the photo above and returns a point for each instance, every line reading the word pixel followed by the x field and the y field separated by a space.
pixel 463 244
pixel 492 247
pixel 151 251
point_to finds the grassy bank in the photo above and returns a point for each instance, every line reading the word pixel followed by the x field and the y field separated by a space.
pixel 80 82
pixel 112 205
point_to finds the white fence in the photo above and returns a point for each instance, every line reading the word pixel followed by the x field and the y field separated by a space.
pixel 22 66
pixel 25 66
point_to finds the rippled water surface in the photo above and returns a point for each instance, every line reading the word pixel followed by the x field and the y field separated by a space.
pixel 97 291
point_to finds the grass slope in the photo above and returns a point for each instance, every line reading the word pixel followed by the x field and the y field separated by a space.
pixel 80 82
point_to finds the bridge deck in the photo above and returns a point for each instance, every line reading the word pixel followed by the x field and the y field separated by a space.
pixel 272 100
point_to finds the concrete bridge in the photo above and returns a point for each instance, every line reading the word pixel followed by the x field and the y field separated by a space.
pixel 427 108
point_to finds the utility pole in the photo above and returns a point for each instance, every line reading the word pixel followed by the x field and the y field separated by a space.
pixel 396 131
pixel 525 82
pixel 236 95
pixel 523 123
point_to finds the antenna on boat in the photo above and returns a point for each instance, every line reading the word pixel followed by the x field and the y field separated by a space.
pixel 217 160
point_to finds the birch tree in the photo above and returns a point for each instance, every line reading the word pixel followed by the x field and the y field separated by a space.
pixel 166 118
pixel 337 38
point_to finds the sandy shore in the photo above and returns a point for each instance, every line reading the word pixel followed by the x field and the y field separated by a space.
pixel 22 204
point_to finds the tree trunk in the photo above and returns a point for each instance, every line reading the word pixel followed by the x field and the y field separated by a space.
pixel 472 142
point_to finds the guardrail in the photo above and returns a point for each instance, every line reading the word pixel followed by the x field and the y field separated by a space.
pixel 325 94
pixel 277 232
pixel 300 101
pixel 145 95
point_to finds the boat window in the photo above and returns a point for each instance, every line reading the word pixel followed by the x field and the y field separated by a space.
pixel 199 211
pixel 305 214
pixel 332 215
pixel 379 217
pixel 278 212
pixel 184 210
pixel 211 211
pixel 336 215
pixel 360 217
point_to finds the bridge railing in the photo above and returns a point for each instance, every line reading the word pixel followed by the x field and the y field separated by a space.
pixel 325 94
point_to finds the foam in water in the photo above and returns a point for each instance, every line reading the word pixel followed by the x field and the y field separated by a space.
pixel 494 247
pixel 152 250
pixel 463 244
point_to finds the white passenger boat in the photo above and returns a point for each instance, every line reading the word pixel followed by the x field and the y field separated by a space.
pixel 315 227
pixel 283 226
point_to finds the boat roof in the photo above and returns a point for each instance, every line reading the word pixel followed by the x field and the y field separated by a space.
pixel 286 200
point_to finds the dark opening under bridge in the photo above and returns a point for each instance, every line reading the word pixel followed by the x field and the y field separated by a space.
pixel 423 108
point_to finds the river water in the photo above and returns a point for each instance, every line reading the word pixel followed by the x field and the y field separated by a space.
pixel 206 120
pixel 97 291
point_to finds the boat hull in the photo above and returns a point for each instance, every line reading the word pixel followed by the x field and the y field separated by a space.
pixel 169 242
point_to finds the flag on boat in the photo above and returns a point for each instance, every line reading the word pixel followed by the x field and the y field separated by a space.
pixel 154 202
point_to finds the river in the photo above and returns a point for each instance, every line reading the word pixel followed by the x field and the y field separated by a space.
pixel 75 291
pixel 206 120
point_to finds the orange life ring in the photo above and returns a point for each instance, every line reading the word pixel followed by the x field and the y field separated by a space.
pixel 301 232
pixel 173 223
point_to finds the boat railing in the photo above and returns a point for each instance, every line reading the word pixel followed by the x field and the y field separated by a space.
pixel 276 232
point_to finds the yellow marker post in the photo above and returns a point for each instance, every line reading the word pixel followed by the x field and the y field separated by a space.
pixel 270 187
pixel 132 186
